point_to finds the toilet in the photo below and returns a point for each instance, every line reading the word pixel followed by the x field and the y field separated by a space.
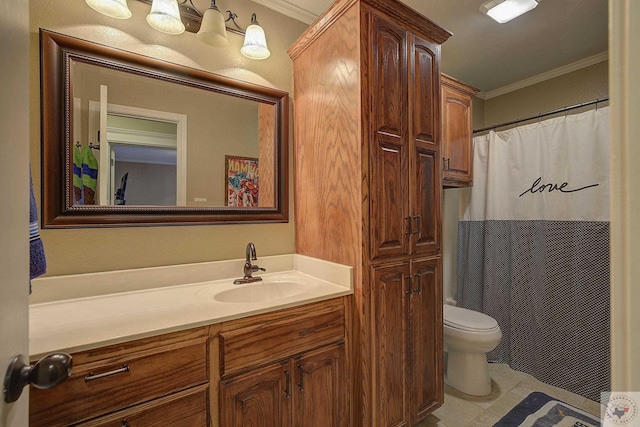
pixel 468 336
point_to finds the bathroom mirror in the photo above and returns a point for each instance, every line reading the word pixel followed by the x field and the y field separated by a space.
pixel 132 140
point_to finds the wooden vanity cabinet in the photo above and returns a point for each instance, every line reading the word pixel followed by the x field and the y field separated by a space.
pixel 457 132
pixel 304 391
pixel 287 371
pixel 404 158
pixel 155 381
pixel 407 295
pixel 368 193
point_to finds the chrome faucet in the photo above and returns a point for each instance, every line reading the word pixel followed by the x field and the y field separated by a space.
pixel 249 268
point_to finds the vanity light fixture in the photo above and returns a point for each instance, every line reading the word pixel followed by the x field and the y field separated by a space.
pixel 505 10
pixel 165 17
pixel 213 28
pixel 113 8
pixel 255 42
pixel 176 16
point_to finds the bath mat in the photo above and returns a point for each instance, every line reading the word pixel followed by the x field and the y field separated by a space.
pixel 541 410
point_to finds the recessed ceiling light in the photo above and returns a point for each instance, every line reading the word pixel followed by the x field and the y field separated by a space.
pixel 505 10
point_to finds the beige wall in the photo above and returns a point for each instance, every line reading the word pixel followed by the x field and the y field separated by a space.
pixel 624 22
pixel 579 86
pixel 103 249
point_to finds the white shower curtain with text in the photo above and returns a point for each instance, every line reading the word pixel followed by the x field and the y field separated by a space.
pixel 533 248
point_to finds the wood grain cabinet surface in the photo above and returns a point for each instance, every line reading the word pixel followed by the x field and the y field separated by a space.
pixel 368 190
pixel 139 383
pixel 457 132
pixel 407 340
pixel 281 368
pixel 288 372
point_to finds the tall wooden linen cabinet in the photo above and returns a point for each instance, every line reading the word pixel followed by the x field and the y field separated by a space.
pixel 368 182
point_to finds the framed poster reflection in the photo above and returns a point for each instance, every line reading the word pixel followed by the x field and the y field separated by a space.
pixel 242 181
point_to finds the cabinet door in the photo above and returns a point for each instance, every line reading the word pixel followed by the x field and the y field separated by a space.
pixel 425 338
pixel 424 169
pixel 319 391
pixel 457 136
pixel 424 90
pixel 259 398
pixel 426 202
pixel 389 139
pixel 389 294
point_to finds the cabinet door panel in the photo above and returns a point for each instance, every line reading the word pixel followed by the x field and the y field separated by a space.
pixel 258 398
pixel 427 190
pixel 458 130
pixel 389 316
pixel 389 90
pixel 389 201
pixel 424 90
pixel 319 389
pixel 425 341
pixel 457 133
pixel 389 147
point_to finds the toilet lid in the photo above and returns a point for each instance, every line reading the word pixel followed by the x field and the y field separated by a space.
pixel 461 318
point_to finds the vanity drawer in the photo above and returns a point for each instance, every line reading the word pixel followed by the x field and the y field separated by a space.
pixel 251 346
pixel 183 409
pixel 104 386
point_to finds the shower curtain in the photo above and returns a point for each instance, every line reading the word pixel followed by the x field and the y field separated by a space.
pixel 533 248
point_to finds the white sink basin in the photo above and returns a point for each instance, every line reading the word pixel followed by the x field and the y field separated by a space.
pixel 260 292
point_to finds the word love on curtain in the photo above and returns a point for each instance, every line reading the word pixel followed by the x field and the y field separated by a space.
pixel 533 248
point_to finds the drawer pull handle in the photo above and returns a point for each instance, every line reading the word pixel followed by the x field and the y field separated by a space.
pixel 300 373
pixel 92 376
pixel 287 385
pixel 125 423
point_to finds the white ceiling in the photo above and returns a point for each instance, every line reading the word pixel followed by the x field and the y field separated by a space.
pixel 557 35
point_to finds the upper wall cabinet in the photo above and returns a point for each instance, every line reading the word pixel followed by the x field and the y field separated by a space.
pixel 457 132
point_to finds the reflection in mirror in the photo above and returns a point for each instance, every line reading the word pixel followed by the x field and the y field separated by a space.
pixel 130 140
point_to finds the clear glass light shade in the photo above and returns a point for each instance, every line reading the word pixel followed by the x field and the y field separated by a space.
pixel 165 17
pixel 212 29
pixel 509 9
pixel 113 8
pixel 255 42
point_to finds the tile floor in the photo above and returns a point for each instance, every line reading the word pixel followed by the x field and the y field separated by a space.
pixel 509 387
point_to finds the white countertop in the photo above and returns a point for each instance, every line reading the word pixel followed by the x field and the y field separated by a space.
pixel 75 313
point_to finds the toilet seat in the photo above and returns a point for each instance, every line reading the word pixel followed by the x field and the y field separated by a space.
pixel 468 320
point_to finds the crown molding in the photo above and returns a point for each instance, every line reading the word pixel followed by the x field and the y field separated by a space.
pixel 290 10
pixel 574 66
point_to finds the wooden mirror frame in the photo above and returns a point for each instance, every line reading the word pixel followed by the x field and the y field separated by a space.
pixel 56 54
